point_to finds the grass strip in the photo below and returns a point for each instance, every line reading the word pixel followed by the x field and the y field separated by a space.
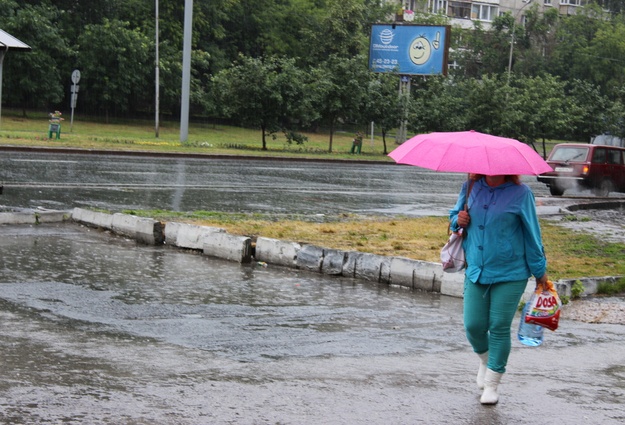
pixel 569 254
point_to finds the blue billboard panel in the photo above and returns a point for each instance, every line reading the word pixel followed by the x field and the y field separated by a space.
pixel 409 49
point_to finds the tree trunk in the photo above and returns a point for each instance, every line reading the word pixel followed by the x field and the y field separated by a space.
pixel 262 129
pixel 331 135
pixel 384 140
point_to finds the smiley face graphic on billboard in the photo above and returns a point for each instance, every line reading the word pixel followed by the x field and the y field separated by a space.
pixel 421 49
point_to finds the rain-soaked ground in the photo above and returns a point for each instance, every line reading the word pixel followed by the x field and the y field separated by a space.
pixel 114 182
pixel 98 330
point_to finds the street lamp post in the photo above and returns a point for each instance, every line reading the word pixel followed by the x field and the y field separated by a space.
pixel 186 70
pixel 156 74
pixel 527 2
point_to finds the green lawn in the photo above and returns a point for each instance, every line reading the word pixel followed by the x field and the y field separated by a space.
pixel 203 138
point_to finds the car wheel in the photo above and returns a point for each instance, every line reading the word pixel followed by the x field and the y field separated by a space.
pixel 604 188
pixel 555 190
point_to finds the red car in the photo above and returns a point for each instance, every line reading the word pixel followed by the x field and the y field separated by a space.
pixel 580 165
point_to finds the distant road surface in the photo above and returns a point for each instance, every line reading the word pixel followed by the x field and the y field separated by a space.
pixel 118 182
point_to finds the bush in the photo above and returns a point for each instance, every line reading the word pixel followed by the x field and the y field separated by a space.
pixel 577 289
pixel 293 136
pixel 607 288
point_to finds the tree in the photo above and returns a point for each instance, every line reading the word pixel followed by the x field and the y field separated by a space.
pixel 527 109
pixel 268 94
pixel 574 35
pixel 544 109
pixel 607 52
pixel 438 104
pixel 540 31
pixel 339 89
pixel 115 66
pixel 487 106
pixel 33 79
pixel 382 103
pixel 591 112
pixel 485 52
pixel 340 33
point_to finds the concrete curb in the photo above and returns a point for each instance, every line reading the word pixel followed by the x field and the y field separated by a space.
pixel 93 218
pixel 228 247
pixel 188 236
pixel 145 230
pixel 35 217
pixel 216 242
pixel 274 251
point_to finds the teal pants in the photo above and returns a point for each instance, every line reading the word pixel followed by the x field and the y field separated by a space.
pixel 488 314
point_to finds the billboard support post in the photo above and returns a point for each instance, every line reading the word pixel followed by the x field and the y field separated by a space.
pixel 404 93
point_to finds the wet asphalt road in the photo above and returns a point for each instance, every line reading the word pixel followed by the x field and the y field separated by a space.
pixel 116 183
pixel 98 330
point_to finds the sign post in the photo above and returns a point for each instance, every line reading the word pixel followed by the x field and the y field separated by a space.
pixel 75 80
pixel 404 93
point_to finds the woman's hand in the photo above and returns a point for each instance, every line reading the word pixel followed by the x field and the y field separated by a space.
pixel 542 280
pixel 463 219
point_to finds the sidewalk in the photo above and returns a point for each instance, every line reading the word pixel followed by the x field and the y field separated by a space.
pixel 98 329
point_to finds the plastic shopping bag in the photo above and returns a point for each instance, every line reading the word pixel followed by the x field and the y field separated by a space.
pixel 452 254
pixel 544 307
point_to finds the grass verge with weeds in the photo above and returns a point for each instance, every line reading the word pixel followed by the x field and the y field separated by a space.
pixel 569 254
pixel 608 289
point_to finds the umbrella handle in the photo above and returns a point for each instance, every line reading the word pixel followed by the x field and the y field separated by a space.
pixel 469 188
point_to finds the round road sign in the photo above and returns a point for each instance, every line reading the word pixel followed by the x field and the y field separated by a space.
pixel 75 76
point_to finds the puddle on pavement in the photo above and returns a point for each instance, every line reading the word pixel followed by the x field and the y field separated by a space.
pixel 244 312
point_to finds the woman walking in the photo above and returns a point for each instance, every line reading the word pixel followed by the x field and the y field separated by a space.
pixel 503 248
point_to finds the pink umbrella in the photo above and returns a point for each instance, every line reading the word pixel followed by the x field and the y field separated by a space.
pixel 470 152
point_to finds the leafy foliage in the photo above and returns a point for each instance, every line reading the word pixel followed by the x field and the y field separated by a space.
pixel 382 105
pixel 33 79
pixel 337 93
pixel 564 79
pixel 113 60
pixel 266 94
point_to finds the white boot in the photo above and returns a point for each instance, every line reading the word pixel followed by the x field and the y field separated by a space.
pixel 491 382
pixel 481 372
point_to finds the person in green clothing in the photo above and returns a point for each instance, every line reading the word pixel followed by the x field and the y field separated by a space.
pixel 357 143
pixel 503 248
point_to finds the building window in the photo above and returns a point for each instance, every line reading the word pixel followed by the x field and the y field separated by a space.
pixel 484 12
pixel 458 9
pixel 572 2
pixel 410 5
pixel 438 6
pixel 547 2
pixel 453 65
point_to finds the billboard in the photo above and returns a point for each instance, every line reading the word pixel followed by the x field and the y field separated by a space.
pixel 409 49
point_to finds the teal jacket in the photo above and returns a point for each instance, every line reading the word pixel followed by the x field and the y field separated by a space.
pixel 503 242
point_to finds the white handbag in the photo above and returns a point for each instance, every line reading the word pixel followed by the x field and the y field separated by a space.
pixel 452 254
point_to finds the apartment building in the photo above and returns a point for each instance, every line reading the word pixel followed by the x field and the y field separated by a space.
pixel 464 12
